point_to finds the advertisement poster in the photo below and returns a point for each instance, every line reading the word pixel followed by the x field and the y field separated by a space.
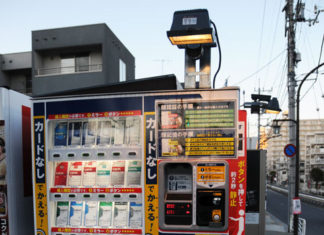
pixel 4 222
pixel 196 129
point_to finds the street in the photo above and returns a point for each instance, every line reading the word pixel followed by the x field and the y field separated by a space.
pixel 314 215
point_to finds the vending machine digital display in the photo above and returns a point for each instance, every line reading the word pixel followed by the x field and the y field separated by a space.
pixel 146 163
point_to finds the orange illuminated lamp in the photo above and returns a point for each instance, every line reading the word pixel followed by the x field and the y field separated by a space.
pixel 191 27
pixel 191 39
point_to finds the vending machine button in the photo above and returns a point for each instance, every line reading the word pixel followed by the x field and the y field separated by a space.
pixel 216 217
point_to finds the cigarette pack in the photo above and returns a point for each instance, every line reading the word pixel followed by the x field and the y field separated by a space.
pixel 105 133
pixel 60 134
pixel 134 173
pixel 119 132
pixel 75 133
pixel 75 174
pixel 132 131
pixel 103 174
pixel 89 173
pixel 61 172
pixel 120 214
pixel 89 133
pixel 76 208
pixel 62 214
pixel 135 215
pixel 90 213
pixel 118 173
pixel 105 214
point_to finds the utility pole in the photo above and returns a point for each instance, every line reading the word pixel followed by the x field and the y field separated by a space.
pixel 293 58
pixel 291 83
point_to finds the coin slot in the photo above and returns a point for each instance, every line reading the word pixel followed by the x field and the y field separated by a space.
pixel 71 155
pixel 85 154
pixel 100 154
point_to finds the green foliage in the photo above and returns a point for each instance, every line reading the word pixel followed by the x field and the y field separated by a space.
pixel 273 173
pixel 317 175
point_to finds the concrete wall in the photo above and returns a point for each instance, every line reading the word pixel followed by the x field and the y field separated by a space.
pixel 13 70
pixel 103 47
pixel 18 82
pixel 4 82
pixel 16 61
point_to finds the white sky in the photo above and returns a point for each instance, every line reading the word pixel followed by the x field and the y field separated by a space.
pixel 251 34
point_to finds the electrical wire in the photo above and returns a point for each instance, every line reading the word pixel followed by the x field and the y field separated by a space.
pixel 319 61
pixel 273 41
pixel 219 52
pixel 264 66
pixel 261 40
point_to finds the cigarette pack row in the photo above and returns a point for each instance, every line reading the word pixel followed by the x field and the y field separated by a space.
pixel 98 214
pixel 98 173
pixel 108 131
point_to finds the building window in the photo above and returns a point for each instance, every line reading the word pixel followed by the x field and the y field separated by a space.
pixel 122 71
pixel 74 63
pixel 82 63
pixel 67 64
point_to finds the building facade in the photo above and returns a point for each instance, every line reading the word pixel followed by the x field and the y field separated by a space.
pixel 68 59
pixel 310 141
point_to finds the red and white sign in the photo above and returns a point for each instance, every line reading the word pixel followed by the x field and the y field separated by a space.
pixel 95 114
pixel 296 206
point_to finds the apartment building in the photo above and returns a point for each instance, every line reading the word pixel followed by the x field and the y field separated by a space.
pixel 278 162
pixel 67 59
pixel 314 156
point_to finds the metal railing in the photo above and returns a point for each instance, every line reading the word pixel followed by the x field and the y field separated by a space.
pixel 68 70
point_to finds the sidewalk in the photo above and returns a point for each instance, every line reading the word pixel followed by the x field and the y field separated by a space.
pixel 274 226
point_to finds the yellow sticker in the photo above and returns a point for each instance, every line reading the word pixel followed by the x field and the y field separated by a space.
pixel 41 208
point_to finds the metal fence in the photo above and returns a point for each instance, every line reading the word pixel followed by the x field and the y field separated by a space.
pixel 67 70
pixel 301 225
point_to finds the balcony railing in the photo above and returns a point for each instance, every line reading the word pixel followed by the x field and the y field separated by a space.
pixel 69 70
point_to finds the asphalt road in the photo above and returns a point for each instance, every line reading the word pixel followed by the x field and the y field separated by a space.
pixel 277 205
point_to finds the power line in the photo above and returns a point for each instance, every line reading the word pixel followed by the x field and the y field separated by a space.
pixel 261 37
pixel 273 40
pixel 319 61
pixel 264 66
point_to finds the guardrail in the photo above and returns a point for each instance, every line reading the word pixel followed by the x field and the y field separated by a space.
pixel 68 70
pixel 304 197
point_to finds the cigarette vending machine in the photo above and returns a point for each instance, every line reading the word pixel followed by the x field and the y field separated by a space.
pixel 147 163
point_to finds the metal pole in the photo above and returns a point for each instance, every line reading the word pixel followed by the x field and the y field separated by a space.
pixel 259 128
pixel 291 100
pixel 297 144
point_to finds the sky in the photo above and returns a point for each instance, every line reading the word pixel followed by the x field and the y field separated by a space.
pixel 251 34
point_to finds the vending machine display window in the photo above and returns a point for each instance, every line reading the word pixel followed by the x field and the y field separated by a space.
pixel 95 175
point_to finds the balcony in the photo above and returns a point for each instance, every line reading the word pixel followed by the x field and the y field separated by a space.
pixel 317 162
pixel 68 70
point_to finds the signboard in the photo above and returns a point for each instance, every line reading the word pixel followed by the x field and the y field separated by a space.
pixel 40 175
pixel 290 150
pixel 296 206
pixel 196 128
